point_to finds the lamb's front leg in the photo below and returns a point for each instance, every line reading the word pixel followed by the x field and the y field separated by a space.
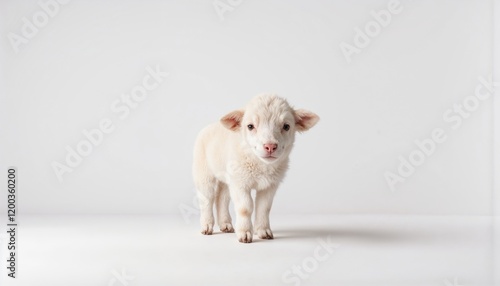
pixel 263 203
pixel 243 205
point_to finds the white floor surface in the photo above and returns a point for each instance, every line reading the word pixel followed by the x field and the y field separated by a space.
pixel 165 250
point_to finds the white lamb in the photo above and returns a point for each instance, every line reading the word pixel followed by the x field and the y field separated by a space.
pixel 247 150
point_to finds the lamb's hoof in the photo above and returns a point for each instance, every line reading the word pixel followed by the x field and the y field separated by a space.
pixel 226 227
pixel 265 233
pixel 244 236
pixel 207 230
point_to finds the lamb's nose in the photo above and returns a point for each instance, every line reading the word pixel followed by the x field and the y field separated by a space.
pixel 270 148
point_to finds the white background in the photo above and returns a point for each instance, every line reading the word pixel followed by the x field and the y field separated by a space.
pixel 393 92
pixel 436 228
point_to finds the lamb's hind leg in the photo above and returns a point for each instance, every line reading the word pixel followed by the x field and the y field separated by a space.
pixel 222 205
pixel 206 195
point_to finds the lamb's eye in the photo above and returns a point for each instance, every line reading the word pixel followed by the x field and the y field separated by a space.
pixel 250 127
pixel 286 127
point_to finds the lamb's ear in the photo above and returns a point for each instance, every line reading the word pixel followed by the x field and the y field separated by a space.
pixel 304 119
pixel 232 120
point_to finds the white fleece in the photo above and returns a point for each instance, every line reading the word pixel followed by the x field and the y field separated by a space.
pixel 247 150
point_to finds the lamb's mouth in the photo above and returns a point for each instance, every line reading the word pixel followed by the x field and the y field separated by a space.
pixel 270 158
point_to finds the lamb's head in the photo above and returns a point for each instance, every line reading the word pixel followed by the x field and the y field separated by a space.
pixel 268 125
